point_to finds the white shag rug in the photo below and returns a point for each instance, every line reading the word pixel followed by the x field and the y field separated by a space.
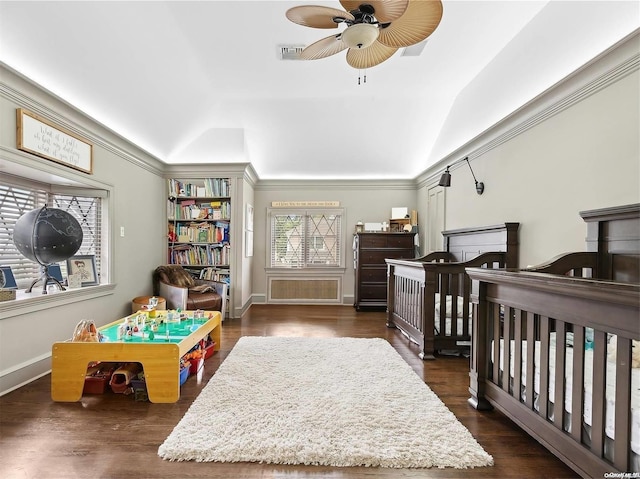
pixel 321 401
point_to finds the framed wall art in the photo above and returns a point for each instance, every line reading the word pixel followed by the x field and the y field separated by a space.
pixel 249 219
pixel 83 266
pixel 39 136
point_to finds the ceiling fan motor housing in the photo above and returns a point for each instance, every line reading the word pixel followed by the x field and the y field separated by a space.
pixel 364 14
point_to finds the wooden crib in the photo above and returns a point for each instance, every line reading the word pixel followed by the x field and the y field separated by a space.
pixel 437 284
pixel 553 345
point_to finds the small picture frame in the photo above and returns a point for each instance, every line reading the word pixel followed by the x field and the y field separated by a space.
pixel 85 267
pixel 74 281
pixel 55 272
pixel 9 279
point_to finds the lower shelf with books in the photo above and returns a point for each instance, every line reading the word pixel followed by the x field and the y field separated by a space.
pixel 199 254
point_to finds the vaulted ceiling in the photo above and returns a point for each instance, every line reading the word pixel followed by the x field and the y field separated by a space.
pixel 203 81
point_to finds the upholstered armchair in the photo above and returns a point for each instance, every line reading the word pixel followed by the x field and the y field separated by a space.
pixel 181 290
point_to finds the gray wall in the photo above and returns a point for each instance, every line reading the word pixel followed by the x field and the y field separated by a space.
pixel 575 148
pixel 366 201
pixel 137 201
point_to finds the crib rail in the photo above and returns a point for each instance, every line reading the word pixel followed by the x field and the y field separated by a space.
pixel 582 264
pixel 539 354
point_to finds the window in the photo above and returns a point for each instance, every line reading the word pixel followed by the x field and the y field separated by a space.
pixel 306 238
pixel 17 199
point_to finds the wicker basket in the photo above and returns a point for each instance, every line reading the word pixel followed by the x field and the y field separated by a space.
pixel 7 294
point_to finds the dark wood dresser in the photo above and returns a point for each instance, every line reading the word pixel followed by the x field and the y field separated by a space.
pixel 369 253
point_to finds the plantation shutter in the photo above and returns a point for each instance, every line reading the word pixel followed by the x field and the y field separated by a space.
pixel 306 238
pixel 323 238
pixel 287 240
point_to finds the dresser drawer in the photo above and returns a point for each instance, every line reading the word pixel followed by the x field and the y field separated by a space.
pixel 400 241
pixel 373 241
pixel 373 275
pixel 377 257
pixel 373 256
pixel 377 292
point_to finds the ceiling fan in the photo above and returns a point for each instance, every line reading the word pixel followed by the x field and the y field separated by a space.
pixel 376 29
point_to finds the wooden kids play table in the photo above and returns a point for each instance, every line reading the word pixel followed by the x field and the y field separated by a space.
pixel 160 357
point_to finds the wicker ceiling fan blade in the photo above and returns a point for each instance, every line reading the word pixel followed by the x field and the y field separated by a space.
pixel 419 21
pixel 323 48
pixel 385 10
pixel 316 16
pixel 370 56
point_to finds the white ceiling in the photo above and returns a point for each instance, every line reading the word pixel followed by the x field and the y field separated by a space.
pixel 201 82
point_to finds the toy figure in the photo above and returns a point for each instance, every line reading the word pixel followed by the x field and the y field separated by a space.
pixel 173 237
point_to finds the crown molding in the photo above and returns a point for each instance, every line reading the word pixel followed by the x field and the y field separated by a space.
pixel 342 185
pixel 27 94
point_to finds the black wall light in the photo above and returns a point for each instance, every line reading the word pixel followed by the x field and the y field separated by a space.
pixel 445 179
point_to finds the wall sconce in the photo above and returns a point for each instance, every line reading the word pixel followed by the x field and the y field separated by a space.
pixel 445 179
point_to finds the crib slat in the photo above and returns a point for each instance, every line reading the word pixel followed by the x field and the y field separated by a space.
pixel 517 354
pixel 415 303
pixel 531 341
pixel 544 368
pixel 466 305
pixel 454 285
pixel 623 397
pixel 443 279
pixel 561 344
pixel 577 399
pixel 495 311
pixel 506 353
pixel 599 391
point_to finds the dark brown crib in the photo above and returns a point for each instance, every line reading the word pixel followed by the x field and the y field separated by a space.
pixel 428 298
pixel 552 346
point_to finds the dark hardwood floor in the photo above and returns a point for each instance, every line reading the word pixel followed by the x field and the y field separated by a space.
pixel 113 436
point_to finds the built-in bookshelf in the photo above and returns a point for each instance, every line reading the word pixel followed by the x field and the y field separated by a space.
pixel 199 227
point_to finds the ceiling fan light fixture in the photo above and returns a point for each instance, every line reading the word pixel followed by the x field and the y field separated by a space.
pixel 360 35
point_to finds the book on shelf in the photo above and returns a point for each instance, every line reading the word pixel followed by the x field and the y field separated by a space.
pixel 199 254
pixel 216 274
pixel 209 187
pixel 189 209
pixel 201 232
